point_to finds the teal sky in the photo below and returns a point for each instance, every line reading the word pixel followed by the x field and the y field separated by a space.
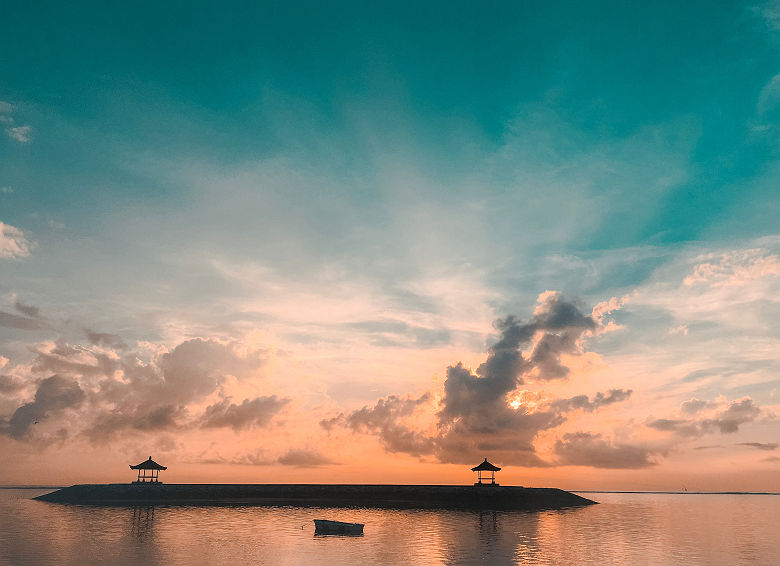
pixel 443 86
pixel 201 170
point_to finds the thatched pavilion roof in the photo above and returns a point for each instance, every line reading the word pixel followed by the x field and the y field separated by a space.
pixel 148 465
pixel 485 467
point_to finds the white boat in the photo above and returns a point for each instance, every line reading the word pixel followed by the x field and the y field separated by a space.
pixel 322 526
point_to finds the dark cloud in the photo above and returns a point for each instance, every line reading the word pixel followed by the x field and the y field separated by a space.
pixel 304 459
pixel 474 410
pixel 385 420
pixel 10 320
pixel 586 449
pixel 105 339
pixel 158 418
pixel 53 395
pixel 127 393
pixel 27 310
pixel 159 391
pixel 760 445
pixel 250 413
pixel 736 414
pixel 474 415
pixel 599 400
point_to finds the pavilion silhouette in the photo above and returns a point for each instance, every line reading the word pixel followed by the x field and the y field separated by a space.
pixel 148 466
pixel 486 467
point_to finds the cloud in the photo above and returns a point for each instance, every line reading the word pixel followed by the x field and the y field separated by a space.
pixel 475 413
pixel 9 384
pixel 599 400
pixel 586 449
pixel 736 414
pixel 195 368
pixel 760 445
pixel 22 134
pixel 127 393
pixel 695 405
pixel 107 424
pixel 304 459
pixel 726 421
pixel 385 419
pixel 10 320
pixel 250 413
pixel 13 243
pixel 734 268
pixel 105 339
pixel 682 329
pixel 53 395
pixel 28 310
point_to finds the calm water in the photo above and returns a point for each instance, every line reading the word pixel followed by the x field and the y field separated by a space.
pixel 624 529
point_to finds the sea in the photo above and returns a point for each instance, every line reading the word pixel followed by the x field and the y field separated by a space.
pixel 625 528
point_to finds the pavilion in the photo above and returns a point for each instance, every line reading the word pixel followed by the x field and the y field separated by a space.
pixel 150 466
pixel 486 467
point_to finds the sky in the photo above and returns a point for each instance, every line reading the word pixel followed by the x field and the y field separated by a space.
pixel 295 242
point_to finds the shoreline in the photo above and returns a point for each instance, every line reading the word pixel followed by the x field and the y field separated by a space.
pixel 483 497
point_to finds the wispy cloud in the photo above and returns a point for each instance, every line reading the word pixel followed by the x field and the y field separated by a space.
pixel 22 134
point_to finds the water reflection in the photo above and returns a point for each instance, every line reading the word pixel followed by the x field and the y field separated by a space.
pixel 624 529
pixel 142 522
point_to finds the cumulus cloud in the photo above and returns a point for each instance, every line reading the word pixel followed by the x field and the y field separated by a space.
pixel 53 395
pixel 13 242
pixel 251 412
pixel 385 419
pixel 736 414
pixel 107 424
pixel 195 368
pixel 481 410
pixel 122 392
pixel 304 459
pixel 475 415
pixel 586 449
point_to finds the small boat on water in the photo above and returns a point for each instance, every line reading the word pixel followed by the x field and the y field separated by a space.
pixel 324 527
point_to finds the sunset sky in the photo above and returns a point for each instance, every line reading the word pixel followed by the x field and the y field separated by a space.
pixel 304 242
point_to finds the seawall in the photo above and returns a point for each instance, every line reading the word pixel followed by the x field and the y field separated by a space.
pixel 321 495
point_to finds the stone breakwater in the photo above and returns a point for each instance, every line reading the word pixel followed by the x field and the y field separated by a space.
pixel 508 498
